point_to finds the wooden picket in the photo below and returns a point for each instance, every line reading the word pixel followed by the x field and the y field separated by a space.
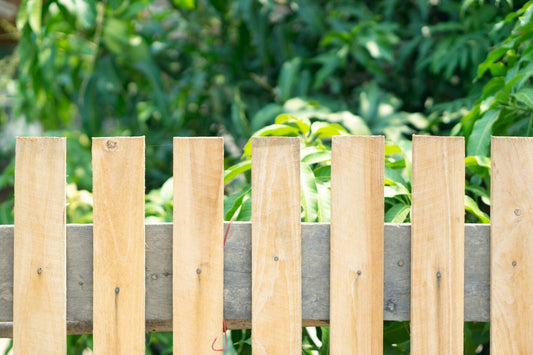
pixel 274 274
pixel 119 289
pixel 356 314
pixel 437 245
pixel 198 271
pixel 511 246
pixel 40 280
pixel 276 246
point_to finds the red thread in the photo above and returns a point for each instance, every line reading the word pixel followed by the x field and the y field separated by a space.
pixel 227 232
pixel 225 330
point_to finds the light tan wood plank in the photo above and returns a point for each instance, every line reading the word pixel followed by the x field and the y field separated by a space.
pixel 357 236
pixel 40 282
pixel 276 246
pixel 511 283
pixel 119 287
pixel 437 245
pixel 198 259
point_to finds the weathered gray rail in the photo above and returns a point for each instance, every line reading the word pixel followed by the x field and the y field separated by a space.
pixel 238 279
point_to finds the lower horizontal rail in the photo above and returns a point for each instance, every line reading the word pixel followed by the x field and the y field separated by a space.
pixel 238 280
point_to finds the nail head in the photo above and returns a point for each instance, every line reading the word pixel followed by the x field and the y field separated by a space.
pixel 438 274
pixel 517 212
pixel 514 263
pixel 117 290
pixel 276 258
pixel 358 272
pixel 400 263
pixel 39 271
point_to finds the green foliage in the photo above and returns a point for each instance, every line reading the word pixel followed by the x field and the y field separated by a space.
pixel 506 104
pixel 204 67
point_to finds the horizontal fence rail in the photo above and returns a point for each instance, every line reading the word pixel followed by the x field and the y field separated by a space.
pixel 120 277
pixel 238 277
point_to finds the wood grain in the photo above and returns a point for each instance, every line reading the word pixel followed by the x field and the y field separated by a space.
pixel 276 246
pixel 198 281
pixel 511 288
pixel 40 281
pixel 357 229
pixel 437 245
pixel 119 287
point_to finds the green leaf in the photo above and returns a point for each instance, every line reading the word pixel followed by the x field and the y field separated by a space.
pixel 167 190
pixel 289 78
pixel 316 157
pixel 35 8
pixel 493 86
pixel 493 56
pixel 323 173
pixel 324 349
pixel 302 124
pixel 395 189
pixel 309 193
pixel 472 207
pixel 525 96
pixel 322 130
pixel 478 164
pixel 324 203
pixel 187 4
pixel 396 333
pixel 245 212
pixel 479 140
pixel 397 213
pixel 235 170
pixel 234 202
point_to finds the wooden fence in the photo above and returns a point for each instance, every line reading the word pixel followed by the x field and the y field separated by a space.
pixel 119 277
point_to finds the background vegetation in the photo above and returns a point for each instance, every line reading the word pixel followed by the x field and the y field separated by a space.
pixel 238 68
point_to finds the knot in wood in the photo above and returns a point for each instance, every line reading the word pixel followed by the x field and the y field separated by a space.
pixel 111 145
